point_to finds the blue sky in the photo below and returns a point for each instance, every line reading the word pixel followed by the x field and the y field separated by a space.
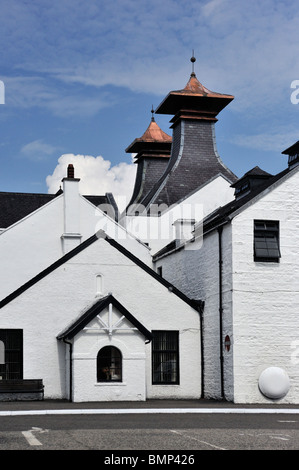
pixel 81 77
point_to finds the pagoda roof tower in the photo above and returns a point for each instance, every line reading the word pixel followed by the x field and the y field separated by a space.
pixel 152 150
pixel 194 159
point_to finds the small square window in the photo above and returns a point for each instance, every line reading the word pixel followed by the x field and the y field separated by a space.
pixel 266 241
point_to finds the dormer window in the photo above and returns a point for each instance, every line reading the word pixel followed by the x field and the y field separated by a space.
pixel 242 189
pixel 293 154
pixel 250 181
pixel 293 159
pixel 266 241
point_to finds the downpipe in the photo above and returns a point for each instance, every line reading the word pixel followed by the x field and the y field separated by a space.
pixel 220 230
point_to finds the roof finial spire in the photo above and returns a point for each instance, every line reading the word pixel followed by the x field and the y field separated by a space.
pixel 193 59
pixel 152 111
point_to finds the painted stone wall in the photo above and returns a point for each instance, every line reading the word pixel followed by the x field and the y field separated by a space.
pixel 159 231
pixel 34 243
pixel 51 305
pixel 87 345
pixel 266 297
pixel 195 271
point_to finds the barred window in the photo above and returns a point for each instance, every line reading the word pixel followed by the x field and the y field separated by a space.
pixel 109 365
pixel 266 241
pixel 165 357
pixel 11 365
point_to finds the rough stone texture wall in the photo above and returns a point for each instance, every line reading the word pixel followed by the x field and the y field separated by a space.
pixel 51 305
pixel 265 296
pixel 34 243
pixel 196 272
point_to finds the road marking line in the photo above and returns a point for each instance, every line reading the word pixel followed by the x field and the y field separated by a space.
pixel 151 411
pixel 31 439
pixel 198 440
pixel 281 421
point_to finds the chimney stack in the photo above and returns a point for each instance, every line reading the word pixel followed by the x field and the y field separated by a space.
pixel 71 236
pixel 70 171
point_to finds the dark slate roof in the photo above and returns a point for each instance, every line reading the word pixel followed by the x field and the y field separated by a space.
pixel 16 206
pixel 220 216
pixel 292 150
pixel 94 310
pixel 192 164
pixel 149 171
pixel 107 202
pixel 255 172
pixel 153 153
pixel 223 214
pixel 196 304
pixel 194 160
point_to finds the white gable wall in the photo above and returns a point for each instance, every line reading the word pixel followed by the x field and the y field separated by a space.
pixel 30 245
pixel 195 271
pixel 47 308
pixel 159 231
pixel 34 243
pixel 130 343
pixel 266 297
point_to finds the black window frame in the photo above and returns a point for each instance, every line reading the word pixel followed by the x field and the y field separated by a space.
pixel 165 351
pixel 266 245
pixel 13 354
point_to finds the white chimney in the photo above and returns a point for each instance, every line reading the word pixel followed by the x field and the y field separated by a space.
pixel 183 229
pixel 71 236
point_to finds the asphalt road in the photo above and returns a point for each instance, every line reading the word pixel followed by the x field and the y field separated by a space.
pixel 176 434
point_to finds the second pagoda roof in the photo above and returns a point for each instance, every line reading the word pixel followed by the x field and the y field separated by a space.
pixel 152 138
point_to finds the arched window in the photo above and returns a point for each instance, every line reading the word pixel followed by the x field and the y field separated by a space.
pixel 109 365
pixel 99 284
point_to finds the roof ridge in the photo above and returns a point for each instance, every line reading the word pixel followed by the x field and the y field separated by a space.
pixel 196 304
pixel 93 310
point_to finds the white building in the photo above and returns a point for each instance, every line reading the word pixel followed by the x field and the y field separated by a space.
pixel 194 293
pixel 100 305
pixel 243 263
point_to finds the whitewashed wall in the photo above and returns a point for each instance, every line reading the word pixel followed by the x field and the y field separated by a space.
pixel 47 308
pixel 266 296
pixel 130 343
pixel 30 245
pixel 159 231
pixel 34 243
pixel 195 271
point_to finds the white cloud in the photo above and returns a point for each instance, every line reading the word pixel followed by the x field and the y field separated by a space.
pixel 37 150
pixel 38 92
pixel 267 141
pixel 249 52
pixel 97 177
